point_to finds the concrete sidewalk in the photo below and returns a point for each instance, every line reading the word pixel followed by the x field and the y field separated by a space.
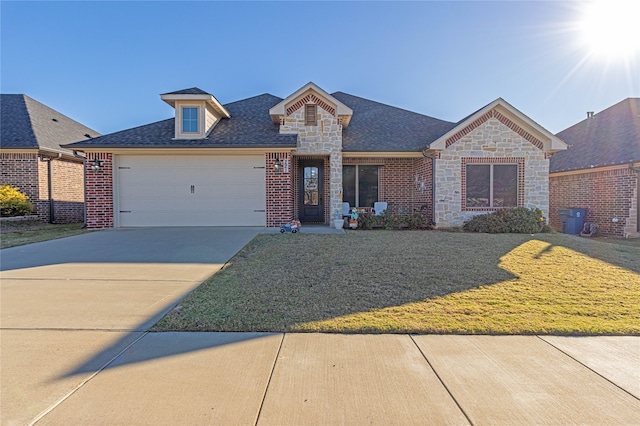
pixel 327 379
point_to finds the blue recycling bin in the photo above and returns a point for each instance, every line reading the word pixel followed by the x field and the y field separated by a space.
pixel 572 220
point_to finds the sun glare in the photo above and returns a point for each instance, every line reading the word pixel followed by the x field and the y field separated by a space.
pixel 611 28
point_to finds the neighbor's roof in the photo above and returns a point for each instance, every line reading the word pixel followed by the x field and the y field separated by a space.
pixel 379 127
pixel 249 126
pixel 26 123
pixel 610 137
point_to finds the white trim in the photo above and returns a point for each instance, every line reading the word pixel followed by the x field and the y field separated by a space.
pixel 278 111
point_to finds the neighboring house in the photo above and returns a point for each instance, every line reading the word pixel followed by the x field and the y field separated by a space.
pixel 263 161
pixel 32 159
pixel 600 170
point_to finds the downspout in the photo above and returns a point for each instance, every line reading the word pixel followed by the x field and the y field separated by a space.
pixel 52 210
pixel 637 170
pixel 84 186
pixel 433 185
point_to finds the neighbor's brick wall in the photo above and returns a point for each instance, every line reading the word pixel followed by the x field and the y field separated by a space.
pixel 99 199
pixel 397 182
pixel 279 190
pixel 605 195
pixel 489 139
pixel 68 191
pixel 21 171
pixel 29 173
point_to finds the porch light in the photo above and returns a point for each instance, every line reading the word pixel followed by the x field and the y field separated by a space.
pixel 96 164
pixel 278 165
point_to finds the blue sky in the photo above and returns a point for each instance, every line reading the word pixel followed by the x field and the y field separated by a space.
pixel 106 63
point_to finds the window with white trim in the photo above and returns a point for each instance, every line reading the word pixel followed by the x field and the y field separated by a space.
pixel 190 120
pixel 360 185
pixel 491 185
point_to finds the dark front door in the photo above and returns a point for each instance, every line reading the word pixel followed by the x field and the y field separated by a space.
pixel 311 191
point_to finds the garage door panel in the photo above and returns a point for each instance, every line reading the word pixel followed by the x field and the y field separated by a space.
pixel 191 191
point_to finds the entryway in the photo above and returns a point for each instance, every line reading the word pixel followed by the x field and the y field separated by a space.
pixel 311 191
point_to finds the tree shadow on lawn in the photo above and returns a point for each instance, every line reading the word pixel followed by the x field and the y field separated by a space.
pixel 280 282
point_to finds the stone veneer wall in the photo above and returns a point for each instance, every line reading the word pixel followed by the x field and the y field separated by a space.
pixel 491 139
pixel 99 199
pixel 605 194
pixel 325 139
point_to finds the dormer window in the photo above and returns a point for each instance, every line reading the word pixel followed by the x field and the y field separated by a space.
pixel 310 115
pixel 190 120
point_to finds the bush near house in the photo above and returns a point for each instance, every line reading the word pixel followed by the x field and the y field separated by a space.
pixel 13 202
pixel 518 220
pixel 390 220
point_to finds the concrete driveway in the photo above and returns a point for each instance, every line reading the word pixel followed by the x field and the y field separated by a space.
pixel 68 306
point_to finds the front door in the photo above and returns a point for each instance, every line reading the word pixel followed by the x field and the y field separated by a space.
pixel 311 191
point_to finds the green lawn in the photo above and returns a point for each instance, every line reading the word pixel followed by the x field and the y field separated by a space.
pixel 26 232
pixel 420 282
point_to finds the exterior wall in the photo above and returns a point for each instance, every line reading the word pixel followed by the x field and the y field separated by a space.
pixel 490 140
pixel 322 140
pixel 605 194
pixel 99 201
pixel 404 183
pixel 30 173
pixel 22 171
pixel 279 190
pixel 68 191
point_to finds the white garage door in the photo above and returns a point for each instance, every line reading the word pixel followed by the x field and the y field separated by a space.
pixel 200 190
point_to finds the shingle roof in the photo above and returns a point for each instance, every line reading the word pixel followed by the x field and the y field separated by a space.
pixel 374 127
pixel 379 127
pixel 26 123
pixel 190 91
pixel 249 126
pixel 608 138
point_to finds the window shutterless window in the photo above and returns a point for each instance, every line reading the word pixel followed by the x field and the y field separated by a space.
pixel 189 120
pixel 491 185
pixel 360 185
pixel 310 115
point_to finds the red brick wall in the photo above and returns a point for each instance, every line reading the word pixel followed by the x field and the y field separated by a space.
pixel 21 171
pixel 68 191
pixel 606 194
pixel 279 190
pixel 30 173
pixel 397 182
pixel 100 192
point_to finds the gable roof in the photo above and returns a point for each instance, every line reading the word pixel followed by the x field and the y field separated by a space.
pixel 190 91
pixel 509 116
pixel 249 127
pixel 380 127
pixel 27 124
pixel 610 137
pixel 341 110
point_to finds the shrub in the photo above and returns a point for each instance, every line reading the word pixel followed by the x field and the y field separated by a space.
pixel 519 220
pixel 13 202
pixel 388 220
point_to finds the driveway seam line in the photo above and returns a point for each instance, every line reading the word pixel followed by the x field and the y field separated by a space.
pixel 587 367
pixel 441 380
pixel 266 389
pixel 82 383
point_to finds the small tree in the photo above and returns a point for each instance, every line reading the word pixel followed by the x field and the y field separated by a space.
pixel 13 202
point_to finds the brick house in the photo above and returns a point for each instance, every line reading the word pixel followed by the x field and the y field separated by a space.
pixel 265 160
pixel 600 170
pixel 33 160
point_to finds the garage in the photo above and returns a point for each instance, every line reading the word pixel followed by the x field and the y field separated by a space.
pixel 189 190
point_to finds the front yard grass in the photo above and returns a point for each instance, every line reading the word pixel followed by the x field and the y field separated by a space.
pixel 420 282
pixel 26 232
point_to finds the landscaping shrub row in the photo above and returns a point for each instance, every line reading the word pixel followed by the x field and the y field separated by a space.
pixel 519 220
